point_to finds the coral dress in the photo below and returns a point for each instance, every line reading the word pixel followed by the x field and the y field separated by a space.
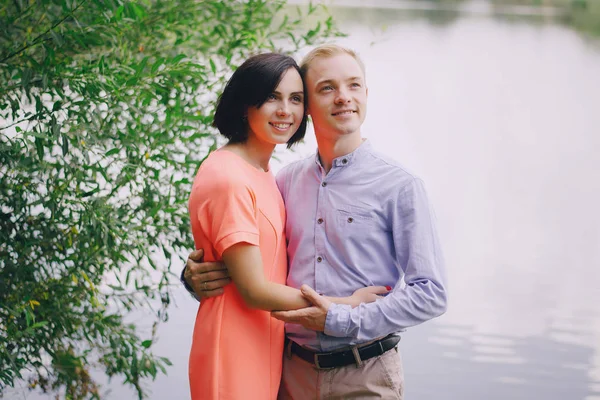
pixel 236 351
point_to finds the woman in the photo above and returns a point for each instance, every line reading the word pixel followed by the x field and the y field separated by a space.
pixel 238 216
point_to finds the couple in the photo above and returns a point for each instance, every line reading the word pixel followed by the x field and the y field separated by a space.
pixel 355 224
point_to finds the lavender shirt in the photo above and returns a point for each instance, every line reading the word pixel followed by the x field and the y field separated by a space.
pixel 367 222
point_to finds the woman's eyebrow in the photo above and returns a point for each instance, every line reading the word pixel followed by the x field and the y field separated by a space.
pixel 279 93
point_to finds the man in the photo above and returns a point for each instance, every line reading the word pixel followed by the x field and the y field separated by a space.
pixel 354 218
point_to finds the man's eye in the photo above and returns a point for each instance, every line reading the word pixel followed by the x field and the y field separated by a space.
pixel 355 85
pixel 326 88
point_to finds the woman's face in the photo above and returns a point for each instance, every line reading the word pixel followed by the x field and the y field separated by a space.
pixel 276 121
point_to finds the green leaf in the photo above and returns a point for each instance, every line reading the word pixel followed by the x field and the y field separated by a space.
pixel 147 343
pixel 119 13
pixel 166 361
pixel 39 147
pixel 159 61
pixel 177 58
pixel 138 10
pixel 55 128
pixel 57 37
pixel 155 210
pixel 26 77
pixel 39 325
pixel 140 67
pixel 64 144
pixel 213 67
pixel 89 193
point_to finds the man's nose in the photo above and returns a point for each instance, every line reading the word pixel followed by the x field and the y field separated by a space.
pixel 342 97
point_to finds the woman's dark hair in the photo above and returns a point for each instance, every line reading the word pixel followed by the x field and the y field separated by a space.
pixel 250 86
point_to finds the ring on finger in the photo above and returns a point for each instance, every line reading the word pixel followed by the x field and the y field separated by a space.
pixel 205 285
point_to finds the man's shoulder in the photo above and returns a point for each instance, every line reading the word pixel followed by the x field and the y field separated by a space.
pixel 391 169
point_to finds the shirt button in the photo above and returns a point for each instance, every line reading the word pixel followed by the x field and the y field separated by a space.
pixel 319 259
pixel 324 184
pixel 320 221
pixel 345 161
pixel 350 219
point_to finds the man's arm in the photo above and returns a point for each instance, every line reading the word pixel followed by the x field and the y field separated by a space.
pixel 422 298
pixel 204 279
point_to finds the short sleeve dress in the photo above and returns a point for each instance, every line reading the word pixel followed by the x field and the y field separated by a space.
pixel 236 351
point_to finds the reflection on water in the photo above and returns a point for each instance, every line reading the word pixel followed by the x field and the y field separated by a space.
pixel 456 362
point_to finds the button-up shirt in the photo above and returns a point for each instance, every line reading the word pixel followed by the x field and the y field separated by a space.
pixel 366 222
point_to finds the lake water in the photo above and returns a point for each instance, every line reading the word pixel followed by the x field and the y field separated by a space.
pixel 496 114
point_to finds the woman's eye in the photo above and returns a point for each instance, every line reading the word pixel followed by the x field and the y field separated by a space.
pixel 297 99
pixel 272 96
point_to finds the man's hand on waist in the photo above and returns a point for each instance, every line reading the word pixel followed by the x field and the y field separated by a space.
pixel 312 317
pixel 206 279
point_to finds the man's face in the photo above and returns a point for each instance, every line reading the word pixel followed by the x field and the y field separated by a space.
pixel 337 95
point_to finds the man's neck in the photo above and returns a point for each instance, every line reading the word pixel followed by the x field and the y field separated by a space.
pixel 329 149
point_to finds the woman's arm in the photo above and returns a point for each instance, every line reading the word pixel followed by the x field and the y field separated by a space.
pixel 244 263
pixel 245 266
pixel 367 294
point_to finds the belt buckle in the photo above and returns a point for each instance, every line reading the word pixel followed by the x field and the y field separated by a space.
pixel 316 360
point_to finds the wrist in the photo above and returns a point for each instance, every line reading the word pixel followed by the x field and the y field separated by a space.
pixel 348 300
pixel 353 301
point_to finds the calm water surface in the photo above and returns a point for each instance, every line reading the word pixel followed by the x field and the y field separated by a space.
pixel 499 116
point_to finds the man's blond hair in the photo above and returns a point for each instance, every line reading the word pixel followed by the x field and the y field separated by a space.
pixel 328 50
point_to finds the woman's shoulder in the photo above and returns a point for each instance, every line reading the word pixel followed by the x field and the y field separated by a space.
pixel 220 171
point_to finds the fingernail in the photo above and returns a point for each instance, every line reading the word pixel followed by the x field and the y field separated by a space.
pixel 388 288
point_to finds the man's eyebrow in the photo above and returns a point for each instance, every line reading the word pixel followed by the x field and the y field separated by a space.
pixel 352 78
pixel 325 81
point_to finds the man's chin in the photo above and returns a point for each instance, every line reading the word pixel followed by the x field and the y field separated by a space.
pixel 348 129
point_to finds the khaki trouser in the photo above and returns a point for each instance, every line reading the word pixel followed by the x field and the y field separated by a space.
pixel 377 378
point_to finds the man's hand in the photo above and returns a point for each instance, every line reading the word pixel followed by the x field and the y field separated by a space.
pixel 312 317
pixel 206 278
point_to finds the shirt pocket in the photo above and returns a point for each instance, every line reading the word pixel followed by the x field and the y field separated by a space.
pixel 354 219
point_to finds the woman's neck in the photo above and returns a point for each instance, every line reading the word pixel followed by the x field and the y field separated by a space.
pixel 256 153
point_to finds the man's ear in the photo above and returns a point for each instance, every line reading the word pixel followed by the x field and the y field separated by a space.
pixel 367 91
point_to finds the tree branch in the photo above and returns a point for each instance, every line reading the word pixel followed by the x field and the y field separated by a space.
pixel 39 38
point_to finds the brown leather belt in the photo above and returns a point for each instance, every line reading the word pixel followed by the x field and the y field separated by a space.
pixel 353 355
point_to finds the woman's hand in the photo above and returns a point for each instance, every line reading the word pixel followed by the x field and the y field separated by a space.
pixel 368 294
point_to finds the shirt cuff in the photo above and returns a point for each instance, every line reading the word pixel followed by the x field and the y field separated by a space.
pixel 338 320
pixel 185 284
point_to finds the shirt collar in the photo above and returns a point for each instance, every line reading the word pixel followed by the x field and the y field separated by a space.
pixel 344 161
